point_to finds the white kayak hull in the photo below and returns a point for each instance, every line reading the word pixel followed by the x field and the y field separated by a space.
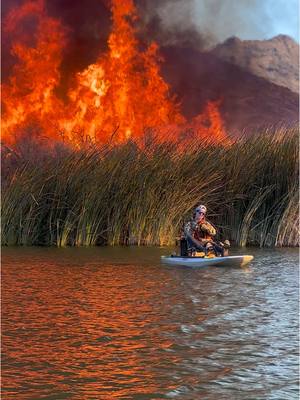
pixel 229 261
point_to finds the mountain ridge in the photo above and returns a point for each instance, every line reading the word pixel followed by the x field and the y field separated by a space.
pixel 275 59
pixel 249 103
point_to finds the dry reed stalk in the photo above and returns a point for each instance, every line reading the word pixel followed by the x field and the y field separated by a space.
pixel 125 195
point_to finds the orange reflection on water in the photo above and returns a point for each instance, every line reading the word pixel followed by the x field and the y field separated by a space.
pixel 81 333
pixel 80 325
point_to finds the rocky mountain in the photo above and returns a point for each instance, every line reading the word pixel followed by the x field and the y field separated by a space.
pixel 248 103
pixel 276 59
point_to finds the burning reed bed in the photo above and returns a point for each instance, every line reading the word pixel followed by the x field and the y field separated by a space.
pixel 124 195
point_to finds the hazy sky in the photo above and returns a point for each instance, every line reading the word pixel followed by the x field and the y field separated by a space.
pixel 247 19
pixel 285 17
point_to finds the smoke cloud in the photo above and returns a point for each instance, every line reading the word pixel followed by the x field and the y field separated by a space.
pixel 199 24
pixel 216 20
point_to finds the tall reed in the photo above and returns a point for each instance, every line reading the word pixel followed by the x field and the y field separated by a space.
pixel 125 195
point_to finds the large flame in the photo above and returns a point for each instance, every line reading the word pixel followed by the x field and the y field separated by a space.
pixel 114 99
pixel 29 96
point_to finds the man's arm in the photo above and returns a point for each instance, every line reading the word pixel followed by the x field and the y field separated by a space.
pixel 208 228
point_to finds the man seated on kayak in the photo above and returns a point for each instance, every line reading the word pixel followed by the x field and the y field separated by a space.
pixel 199 234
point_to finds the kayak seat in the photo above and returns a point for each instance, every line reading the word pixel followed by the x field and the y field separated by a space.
pixel 183 247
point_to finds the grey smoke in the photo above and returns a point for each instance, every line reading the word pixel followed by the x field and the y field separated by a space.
pixel 213 21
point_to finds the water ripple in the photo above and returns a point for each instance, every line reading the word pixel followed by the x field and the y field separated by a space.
pixel 114 324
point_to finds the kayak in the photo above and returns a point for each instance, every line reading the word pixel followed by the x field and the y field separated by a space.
pixel 229 261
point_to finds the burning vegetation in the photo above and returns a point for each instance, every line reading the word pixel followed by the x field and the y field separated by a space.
pixel 117 98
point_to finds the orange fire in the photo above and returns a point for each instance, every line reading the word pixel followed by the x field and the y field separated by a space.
pixel 209 124
pixel 118 97
pixel 29 96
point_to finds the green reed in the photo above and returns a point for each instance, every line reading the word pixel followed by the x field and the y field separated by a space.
pixel 125 195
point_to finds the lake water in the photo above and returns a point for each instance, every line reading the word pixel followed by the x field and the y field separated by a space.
pixel 112 323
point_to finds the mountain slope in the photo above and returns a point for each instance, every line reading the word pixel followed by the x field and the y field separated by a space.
pixel 276 59
pixel 249 103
